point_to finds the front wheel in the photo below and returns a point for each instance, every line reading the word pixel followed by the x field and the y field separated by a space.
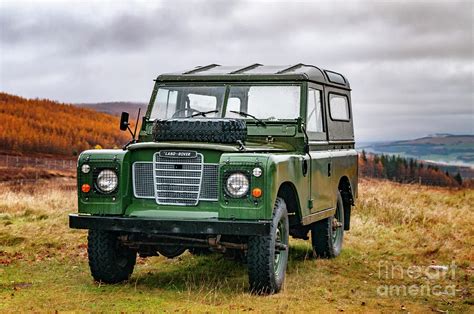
pixel 267 255
pixel 327 234
pixel 109 261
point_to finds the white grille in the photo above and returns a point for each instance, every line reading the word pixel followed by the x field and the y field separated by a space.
pixel 180 185
pixel 143 181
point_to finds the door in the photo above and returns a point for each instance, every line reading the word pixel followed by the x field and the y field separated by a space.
pixel 316 127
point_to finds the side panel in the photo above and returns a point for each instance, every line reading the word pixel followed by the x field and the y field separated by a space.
pixel 345 164
pixel 338 130
pixel 321 183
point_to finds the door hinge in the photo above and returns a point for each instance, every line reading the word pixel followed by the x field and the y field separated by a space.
pixel 310 203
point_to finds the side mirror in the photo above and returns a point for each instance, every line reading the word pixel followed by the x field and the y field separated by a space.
pixel 124 121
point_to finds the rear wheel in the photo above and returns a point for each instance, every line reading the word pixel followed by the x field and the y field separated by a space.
pixel 109 261
pixel 267 255
pixel 327 234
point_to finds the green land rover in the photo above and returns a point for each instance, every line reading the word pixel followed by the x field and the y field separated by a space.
pixel 227 159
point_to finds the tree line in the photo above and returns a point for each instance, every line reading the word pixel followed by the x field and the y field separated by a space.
pixel 45 126
pixel 406 170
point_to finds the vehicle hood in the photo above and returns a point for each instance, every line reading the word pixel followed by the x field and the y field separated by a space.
pixel 248 147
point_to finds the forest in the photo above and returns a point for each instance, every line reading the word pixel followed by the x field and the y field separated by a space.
pixel 49 127
pixel 407 170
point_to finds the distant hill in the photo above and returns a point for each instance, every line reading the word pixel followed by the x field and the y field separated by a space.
pixel 116 108
pixel 49 127
pixel 441 148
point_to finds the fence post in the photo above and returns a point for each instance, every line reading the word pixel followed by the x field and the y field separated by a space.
pixel 419 180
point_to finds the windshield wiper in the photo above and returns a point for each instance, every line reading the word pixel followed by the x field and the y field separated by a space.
pixel 202 113
pixel 244 114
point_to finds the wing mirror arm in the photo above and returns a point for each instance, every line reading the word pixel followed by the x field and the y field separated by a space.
pixel 125 125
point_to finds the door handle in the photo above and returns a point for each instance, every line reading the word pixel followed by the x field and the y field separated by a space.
pixel 329 169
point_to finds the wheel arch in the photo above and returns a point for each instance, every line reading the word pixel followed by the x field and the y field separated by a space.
pixel 345 188
pixel 288 192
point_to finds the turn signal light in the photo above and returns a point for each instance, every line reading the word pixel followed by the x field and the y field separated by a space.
pixel 85 188
pixel 257 192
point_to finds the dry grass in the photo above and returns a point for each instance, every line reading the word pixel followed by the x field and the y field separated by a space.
pixel 43 264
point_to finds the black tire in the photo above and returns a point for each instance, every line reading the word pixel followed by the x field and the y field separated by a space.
pixel 200 130
pixel 171 251
pixel 327 234
pixel 266 264
pixel 108 260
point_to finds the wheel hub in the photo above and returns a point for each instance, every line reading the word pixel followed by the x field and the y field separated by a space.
pixel 336 224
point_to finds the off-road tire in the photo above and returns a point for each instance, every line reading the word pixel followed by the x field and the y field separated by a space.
pixel 200 130
pixel 108 260
pixel 261 258
pixel 325 245
pixel 171 251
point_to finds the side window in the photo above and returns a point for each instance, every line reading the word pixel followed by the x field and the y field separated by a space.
pixel 314 117
pixel 338 107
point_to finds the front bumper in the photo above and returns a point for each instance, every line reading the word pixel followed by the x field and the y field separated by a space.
pixel 168 226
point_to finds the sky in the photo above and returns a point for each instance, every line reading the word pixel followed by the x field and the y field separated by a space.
pixel 410 63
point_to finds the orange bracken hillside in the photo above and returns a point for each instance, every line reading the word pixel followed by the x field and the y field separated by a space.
pixel 45 126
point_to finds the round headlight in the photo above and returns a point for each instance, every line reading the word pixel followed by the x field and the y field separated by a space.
pixel 237 185
pixel 257 172
pixel 107 181
pixel 85 168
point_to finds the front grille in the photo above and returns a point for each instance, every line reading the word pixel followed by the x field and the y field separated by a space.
pixel 189 174
pixel 143 185
pixel 210 182
pixel 176 181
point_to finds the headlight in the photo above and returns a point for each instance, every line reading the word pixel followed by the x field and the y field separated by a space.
pixel 237 185
pixel 107 181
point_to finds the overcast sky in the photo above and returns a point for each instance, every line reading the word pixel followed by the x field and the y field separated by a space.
pixel 410 64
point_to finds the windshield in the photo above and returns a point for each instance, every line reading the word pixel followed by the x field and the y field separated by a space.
pixel 185 101
pixel 264 102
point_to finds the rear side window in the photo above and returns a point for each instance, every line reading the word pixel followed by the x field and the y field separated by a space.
pixel 339 107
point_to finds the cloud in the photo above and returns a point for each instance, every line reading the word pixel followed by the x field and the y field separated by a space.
pixel 408 63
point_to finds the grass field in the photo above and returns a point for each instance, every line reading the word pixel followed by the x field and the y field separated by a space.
pixel 397 232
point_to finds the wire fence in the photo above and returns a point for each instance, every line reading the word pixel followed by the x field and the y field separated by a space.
pixel 23 172
pixel 10 161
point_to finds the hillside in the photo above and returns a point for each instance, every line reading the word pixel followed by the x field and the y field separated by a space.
pixel 116 108
pixel 49 127
pixel 443 148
